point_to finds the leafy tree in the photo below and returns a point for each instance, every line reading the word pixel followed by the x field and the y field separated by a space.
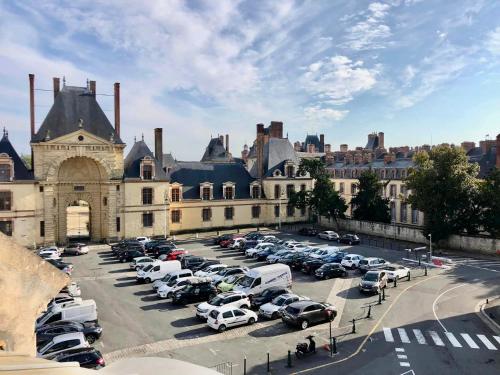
pixel 444 187
pixel 322 200
pixel 368 204
pixel 489 200
pixel 26 160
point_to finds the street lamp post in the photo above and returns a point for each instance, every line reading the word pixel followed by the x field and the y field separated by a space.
pixel 430 246
pixel 166 214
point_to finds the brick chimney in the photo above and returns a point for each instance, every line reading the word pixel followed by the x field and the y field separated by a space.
pixel 227 143
pixel 498 152
pixel 221 139
pixel 328 148
pixel 344 148
pixel 57 86
pixel 159 145
pixel 260 150
pixel 321 143
pixel 276 129
pixel 117 108
pixel 92 87
pixel 381 140
pixel 32 104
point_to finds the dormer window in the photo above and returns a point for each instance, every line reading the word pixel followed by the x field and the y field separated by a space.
pixel 6 168
pixel 147 168
pixel 175 194
pixel 228 190
pixel 290 171
pixel 206 191
pixel 277 173
pixel 255 190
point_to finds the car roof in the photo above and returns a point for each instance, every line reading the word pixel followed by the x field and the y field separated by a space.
pixel 288 295
pixel 68 336
pixel 60 323
pixel 71 352
pixel 302 304
pixel 232 293
pixel 225 308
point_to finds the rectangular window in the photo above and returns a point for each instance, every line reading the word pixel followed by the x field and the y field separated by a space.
pixel 6 227
pixel 255 212
pixel 289 171
pixel 392 190
pixel 5 172
pixel 79 188
pixel 175 195
pixel 255 192
pixel 403 190
pixel 40 189
pixel 414 216
pixel 206 193
pixel 277 191
pixel 42 228
pixel 206 214
pixel 277 210
pixel 147 196
pixel 147 219
pixel 5 200
pixel 147 172
pixel 289 190
pixel 176 216
pixel 290 210
pixel 393 211
pixel 117 187
pixel 229 213
pixel 353 189
pixel 118 224
pixel 341 188
pixel 403 214
pixel 229 192
pixel 303 187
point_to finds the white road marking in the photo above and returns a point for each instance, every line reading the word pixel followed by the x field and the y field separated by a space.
pixel 437 299
pixel 469 341
pixel 403 335
pixel 453 340
pixel 411 372
pixel 497 338
pixel 486 342
pixel 388 335
pixel 420 336
pixel 338 297
pixel 435 337
pixel 400 350
pixel 404 364
pixel 402 356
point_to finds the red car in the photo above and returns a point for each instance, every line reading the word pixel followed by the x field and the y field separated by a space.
pixel 228 242
pixel 173 255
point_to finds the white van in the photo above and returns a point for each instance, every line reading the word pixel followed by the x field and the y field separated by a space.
pixel 82 311
pixel 174 275
pixel 157 270
pixel 260 278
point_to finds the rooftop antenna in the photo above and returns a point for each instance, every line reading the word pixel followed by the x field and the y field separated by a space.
pixel 5 132
pixel 64 81
pixel 142 137
pixel 135 140
pixel 87 83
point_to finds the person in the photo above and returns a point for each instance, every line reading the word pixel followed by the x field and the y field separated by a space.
pixel 312 344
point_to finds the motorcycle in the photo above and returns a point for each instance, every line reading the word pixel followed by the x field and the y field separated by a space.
pixel 303 349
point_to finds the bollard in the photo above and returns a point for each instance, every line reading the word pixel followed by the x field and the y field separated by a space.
pixel 268 364
pixel 487 301
pixel 334 341
pixel 369 315
pixel 379 298
pixel 419 260
pixel 409 276
pixel 354 326
pixel 395 281
pixel 383 294
pixel 245 366
pixel 289 360
pixel 425 270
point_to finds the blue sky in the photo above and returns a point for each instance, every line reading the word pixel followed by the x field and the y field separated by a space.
pixel 421 71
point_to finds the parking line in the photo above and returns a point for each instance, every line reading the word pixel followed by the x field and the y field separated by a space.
pixel 469 341
pixel 453 340
pixel 420 336
pixel 404 364
pixel 388 335
pixel 402 356
pixel 486 342
pixel 400 350
pixel 497 338
pixel 435 337
pixel 403 335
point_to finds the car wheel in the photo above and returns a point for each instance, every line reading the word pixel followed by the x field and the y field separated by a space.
pixel 304 324
pixel 222 328
pixel 274 315
pixel 123 260
pixel 147 280
pixel 350 242
pixel 251 321
pixel 169 295
pixel 90 338
pixel 244 307
pixel 327 277
pixel 345 274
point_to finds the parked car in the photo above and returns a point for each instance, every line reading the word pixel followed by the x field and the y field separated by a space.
pixel 305 313
pixel 328 235
pixel 350 239
pixel 351 260
pixel 396 271
pixel 86 357
pixel 373 282
pixel 49 255
pixel 210 270
pixel 253 236
pixel 225 317
pixel 63 266
pixel 334 258
pixel 371 263
pixel 249 253
pixel 298 260
pixel 225 243
pixel 308 232
pixel 141 262
pixel 235 299
pixel 161 249
pixel 291 258
pixel 265 252
pixel 143 240
pixel 329 270
pixel 82 311
pixel 76 249
pixel 51 249
pixel 91 330
pixel 311 265
pixel 324 251
pixel 129 255
pixel 176 254
pixel 273 258
pixel 168 289
pixel 224 237
pixel 179 274
pixel 195 291
pixel 124 244
pixel 192 261
pixel 230 270
pixel 266 238
pixel 206 263
pixel 268 295
pixel 227 284
pixel 237 243
pixel 61 301
pixel 61 343
pixel 274 309
pixel 157 270
pixel 149 246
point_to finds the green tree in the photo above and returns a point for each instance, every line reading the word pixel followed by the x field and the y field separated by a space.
pixel 368 204
pixel 444 187
pixel 489 200
pixel 322 200
pixel 26 160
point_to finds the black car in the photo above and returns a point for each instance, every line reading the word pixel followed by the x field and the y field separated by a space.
pixel 298 261
pixel 224 237
pixel 192 261
pixel 267 296
pixel 329 270
pixel 263 254
pixel 305 313
pixel 311 265
pixel 334 258
pixel 125 244
pixel 129 255
pixel 350 239
pixel 308 232
pixel 249 244
pixel 86 357
pixel 195 291
pixel 208 262
pixel 91 330
pixel 59 264
pixel 158 250
pixel 291 258
pixel 151 244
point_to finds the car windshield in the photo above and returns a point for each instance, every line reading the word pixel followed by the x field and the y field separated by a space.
pixel 222 272
pixel 390 268
pixel 292 310
pixel 213 314
pixel 363 261
pixel 231 279
pixel 246 282
pixel 148 267
pixel 279 301
pixel 370 277
pixel 216 301
pixel 172 282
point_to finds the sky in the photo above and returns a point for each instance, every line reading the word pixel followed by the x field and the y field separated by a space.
pixel 422 71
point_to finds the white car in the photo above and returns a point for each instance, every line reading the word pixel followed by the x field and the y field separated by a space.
pixel 324 251
pixel 235 299
pixel 143 240
pixel 62 301
pixel 76 249
pixel 266 238
pixel 49 255
pixel 249 253
pixel 329 235
pixel 140 262
pixel 49 250
pixel 224 317
pixel 298 246
pixel 351 260
pixel 74 340
pixel 238 243
pixel 395 270
pixel 167 290
pixel 171 276
pixel 273 258
pixel 71 290
pixel 273 309
pixel 210 270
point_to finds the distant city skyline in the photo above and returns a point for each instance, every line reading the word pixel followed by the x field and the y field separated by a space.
pixel 421 72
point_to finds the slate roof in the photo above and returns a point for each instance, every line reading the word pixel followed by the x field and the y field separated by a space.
pixel 21 172
pixel 486 161
pixel 312 140
pixel 70 105
pixel 192 174
pixel 168 161
pixel 132 164
pixel 215 152
pixel 276 152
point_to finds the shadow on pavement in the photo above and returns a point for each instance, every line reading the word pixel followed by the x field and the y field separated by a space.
pixel 121 270
pixel 195 333
pixel 186 322
pixel 145 292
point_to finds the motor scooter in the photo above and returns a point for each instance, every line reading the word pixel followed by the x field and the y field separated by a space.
pixel 303 349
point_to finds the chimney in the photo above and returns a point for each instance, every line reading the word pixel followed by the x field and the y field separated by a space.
pixel 498 152
pixel 381 140
pixel 260 150
pixel 227 143
pixel 328 148
pixel 344 148
pixel 92 87
pixel 32 104
pixel 221 139
pixel 117 108
pixel 276 129
pixel 57 86
pixel 159 145
pixel 321 143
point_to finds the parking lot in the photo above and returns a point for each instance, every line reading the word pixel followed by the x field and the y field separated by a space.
pixel 137 323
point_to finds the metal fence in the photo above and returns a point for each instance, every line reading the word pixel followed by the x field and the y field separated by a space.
pixel 225 368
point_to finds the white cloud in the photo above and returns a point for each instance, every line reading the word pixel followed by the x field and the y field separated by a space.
pixel 409 73
pixel 320 114
pixel 493 41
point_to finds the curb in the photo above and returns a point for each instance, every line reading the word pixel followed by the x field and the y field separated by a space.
pixel 494 326
pixel 432 265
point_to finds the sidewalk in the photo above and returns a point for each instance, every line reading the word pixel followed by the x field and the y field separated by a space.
pixel 492 310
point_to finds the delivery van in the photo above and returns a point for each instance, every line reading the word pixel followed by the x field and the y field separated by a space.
pixel 157 270
pixel 260 278
pixel 81 311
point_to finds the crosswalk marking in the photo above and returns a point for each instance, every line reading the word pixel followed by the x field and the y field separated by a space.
pixel 453 340
pixel 404 364
pixel 420 336
pixel 497 338
pixel 403 335
pixel 435 337
pixel 469 341
pixel 400 350
pixel 388 335
pixel 486 342
pixel 402 356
